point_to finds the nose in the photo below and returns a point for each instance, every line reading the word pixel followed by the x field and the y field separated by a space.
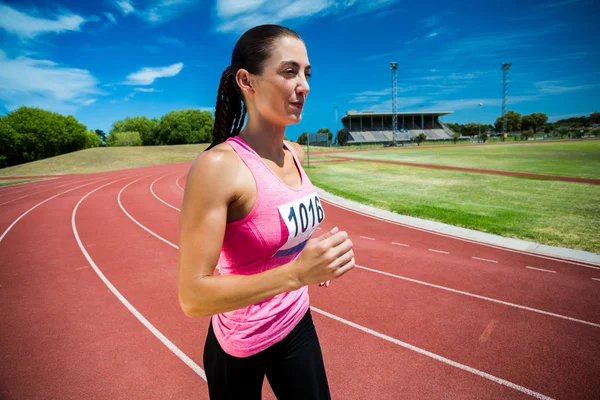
pixel 303 86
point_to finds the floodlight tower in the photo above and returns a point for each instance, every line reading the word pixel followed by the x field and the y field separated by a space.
pixel 394 68
pixel 505 67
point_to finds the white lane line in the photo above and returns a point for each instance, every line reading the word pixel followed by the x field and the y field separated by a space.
pixel 77 269
pixel 365 237
pixel 543 270
pixel 506 303
pixel 136 221
pixel 182 356
pixel 380 335
pixel 436 357
pixel 595 279
pixel 364 214
pixel 177 183
pixel 484 259
pixel 158 198
pixel 40 203
pixel 400 244
pixel 40 191
pixel 438 251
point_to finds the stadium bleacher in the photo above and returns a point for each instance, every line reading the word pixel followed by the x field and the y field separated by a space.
pixel 371 128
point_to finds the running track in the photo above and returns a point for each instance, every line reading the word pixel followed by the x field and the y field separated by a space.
pixel 88 292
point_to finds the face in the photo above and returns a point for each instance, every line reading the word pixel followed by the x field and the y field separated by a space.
pixel 279 94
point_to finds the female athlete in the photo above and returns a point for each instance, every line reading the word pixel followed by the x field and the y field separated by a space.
pixel 249 211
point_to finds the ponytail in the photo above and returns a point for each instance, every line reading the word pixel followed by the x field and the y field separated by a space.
pixel 230 111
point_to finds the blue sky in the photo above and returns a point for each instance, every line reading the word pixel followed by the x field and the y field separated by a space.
pixel 108 59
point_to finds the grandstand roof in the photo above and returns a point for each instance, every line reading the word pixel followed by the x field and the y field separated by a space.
pixel 386 114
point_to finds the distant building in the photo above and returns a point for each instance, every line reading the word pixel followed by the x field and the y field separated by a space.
pixel 376 128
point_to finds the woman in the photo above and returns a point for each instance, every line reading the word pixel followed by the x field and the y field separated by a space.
pixel 249 210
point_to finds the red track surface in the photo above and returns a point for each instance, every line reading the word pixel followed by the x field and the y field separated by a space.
pixel 425 316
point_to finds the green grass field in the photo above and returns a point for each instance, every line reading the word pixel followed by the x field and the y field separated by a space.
pixel 106 159
pixel 14 182
pixel 576 158
pixel 550 212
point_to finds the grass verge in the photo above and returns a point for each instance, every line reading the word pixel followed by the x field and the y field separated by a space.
pixel 14 181
pixel 106 159
pixel 555 213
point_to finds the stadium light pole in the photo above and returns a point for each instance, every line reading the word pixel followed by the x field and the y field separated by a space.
pixel 479 123
pixel 394 68
pixel 308 148
pixel 336 124
pixel 505 67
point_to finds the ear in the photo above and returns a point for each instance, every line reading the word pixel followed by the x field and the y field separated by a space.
pixel 245 82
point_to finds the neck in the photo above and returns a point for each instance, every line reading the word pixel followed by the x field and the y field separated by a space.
pixel 265 138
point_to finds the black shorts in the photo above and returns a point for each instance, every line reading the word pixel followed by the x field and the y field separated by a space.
pixel 293 366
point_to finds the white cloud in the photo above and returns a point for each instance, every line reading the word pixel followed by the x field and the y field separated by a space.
pixel 170 41
pixel 230 8
pixel 147 76
pixel 156 11
pixel 240 15
pixel 558 87
pixel 110 17
pixel 29 26
pixel 125 6
pixel 45 84
pixel 150 48
pixel 433 34
pixel 429 22
pixel 146 90
pixel 545 6
pixel 495 43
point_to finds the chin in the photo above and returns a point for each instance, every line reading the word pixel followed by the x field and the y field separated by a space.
pixel 294 119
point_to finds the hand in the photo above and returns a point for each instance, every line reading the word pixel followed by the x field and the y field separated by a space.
pixel 324 258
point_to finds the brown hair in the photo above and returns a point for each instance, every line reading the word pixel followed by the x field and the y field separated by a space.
pixel 250 53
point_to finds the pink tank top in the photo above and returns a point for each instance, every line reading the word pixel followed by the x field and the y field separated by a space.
pixel 274 233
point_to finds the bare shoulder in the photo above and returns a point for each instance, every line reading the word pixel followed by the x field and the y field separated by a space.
pixel 298 150
pixel 214 171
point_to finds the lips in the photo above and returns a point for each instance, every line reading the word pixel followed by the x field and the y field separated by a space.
pixel 298 104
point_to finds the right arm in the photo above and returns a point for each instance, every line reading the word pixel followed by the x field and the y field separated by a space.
pixel 210 188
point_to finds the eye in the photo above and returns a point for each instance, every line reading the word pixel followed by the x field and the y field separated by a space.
pixel 290 71
pixel 308 75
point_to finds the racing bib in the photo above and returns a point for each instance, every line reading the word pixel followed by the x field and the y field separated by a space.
pixel 302 217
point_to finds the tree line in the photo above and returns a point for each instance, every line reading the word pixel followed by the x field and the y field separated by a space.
pixel 30 133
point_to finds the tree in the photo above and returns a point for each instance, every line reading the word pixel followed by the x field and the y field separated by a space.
pixel 454 127
pixel 342 137
pixel 124 139
pixel 513 122
pixel 421 137
pixel 534 121
pixel 40 134
pixel 9 144
pixel 185 127
pixel 302 139
pixel 595 118
pixel 102 136
pixel 92 139
pixel 456 137
pixel 470 129
pixel 144 126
